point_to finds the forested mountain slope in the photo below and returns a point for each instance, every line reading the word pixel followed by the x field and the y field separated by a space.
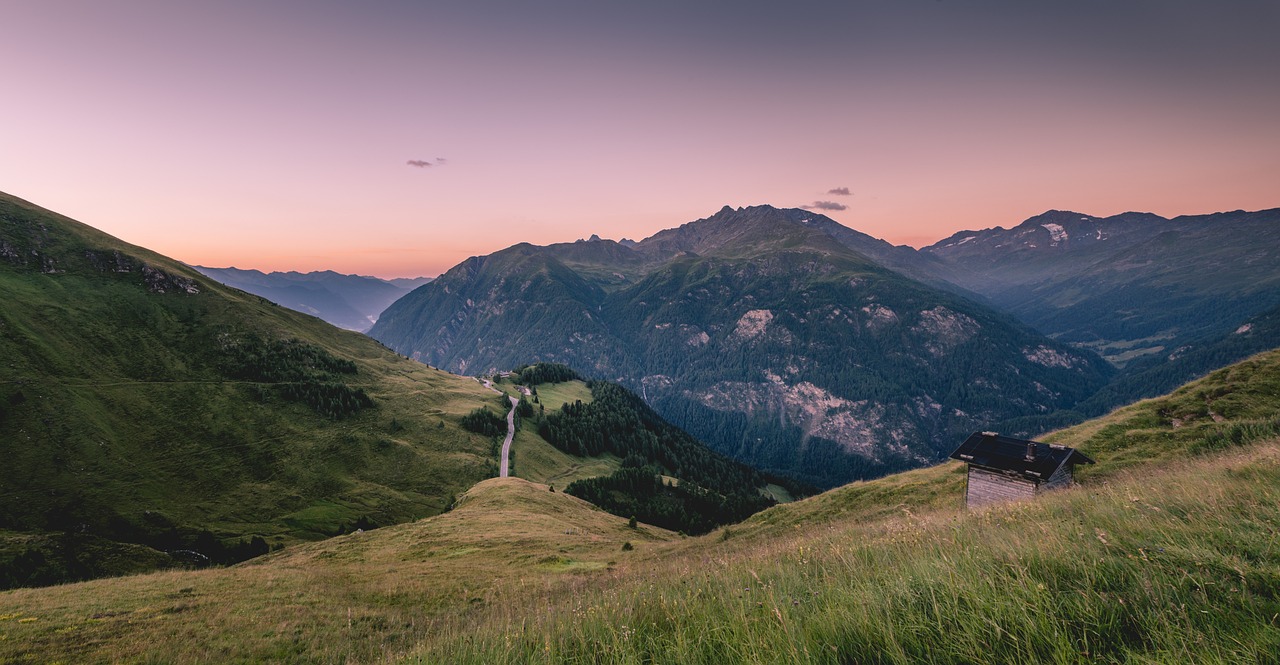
pixel 758 332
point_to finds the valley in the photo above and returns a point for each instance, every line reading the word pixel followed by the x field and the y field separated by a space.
pixel 351 302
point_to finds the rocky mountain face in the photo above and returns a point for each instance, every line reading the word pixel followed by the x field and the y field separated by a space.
pixel 1126 286
pixel 352 302
pixel 771 334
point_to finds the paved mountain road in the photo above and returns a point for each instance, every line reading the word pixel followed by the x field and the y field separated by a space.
pixel 511 432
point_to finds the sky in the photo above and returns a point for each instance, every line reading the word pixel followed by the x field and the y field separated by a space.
pixel 398 137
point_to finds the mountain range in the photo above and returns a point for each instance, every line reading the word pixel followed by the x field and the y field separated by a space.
pixel 805 347
pixel 768 333
pixel 352 302
pixel 1126 286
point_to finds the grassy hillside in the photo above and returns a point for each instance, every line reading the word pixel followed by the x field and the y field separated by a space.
pixel 145 408
pixel 1171 565
pixel 359 597
pixel 1165 553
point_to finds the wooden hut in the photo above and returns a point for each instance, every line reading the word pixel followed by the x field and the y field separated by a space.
pixel 1003 468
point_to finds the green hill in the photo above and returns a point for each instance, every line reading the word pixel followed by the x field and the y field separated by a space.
pixel 360 597
pixel 150 416
pixel 1164 553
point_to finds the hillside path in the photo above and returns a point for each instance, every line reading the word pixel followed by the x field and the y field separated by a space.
pixel 511 432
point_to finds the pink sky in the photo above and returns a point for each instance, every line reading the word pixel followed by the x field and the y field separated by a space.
pixel 275 135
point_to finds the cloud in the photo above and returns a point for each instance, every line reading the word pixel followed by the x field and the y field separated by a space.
pixel 419 163
pixel 839 191
pixel 826 205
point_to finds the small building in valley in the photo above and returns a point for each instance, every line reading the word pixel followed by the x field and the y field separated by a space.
pixel 1003 468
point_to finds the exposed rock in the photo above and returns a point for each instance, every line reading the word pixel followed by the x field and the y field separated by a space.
pixel 752 324
pixel 860 427
pixel 944 329
pixel 698 339
pixel 10 253
pixel 1043 355
pixel 113 261
pixel 879 315
pixel 159 281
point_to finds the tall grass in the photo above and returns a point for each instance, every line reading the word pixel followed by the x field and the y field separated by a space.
pixel 1180 565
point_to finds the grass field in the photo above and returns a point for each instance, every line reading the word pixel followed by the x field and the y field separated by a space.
pixel 362 597
pixel 537 460
pixel 540 462
pixel 554 395
pixel 1175 564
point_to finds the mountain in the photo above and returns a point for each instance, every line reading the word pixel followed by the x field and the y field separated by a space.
pixel 1165 552
pixel 150 416
pixel 352 302
pixel 1127 286
pixel 759 331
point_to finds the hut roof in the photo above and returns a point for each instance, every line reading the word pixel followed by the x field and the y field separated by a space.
pixel 1019 456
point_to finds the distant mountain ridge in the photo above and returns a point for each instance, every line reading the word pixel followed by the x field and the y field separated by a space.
pixel 758 330
pixel 352 302
pixel 1128 285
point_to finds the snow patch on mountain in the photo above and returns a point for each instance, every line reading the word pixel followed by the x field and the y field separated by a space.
pixel 1057 234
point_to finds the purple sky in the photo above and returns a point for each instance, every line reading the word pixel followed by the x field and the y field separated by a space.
pixel 279 135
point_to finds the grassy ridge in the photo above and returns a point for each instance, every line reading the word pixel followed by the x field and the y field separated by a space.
pixel 124 420
pixel 359 597
pixel 1179 565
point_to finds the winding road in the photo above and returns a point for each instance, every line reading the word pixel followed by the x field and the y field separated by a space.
pixel 506 444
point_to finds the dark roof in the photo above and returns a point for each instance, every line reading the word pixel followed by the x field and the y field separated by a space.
pixel 1005 453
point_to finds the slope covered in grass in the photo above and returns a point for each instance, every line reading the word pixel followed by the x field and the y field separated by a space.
pixel 147 410
pixel 1169 559
pixel 1172 565
pixel 360 597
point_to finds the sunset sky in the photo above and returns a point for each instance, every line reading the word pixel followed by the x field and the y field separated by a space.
pixel 396 138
